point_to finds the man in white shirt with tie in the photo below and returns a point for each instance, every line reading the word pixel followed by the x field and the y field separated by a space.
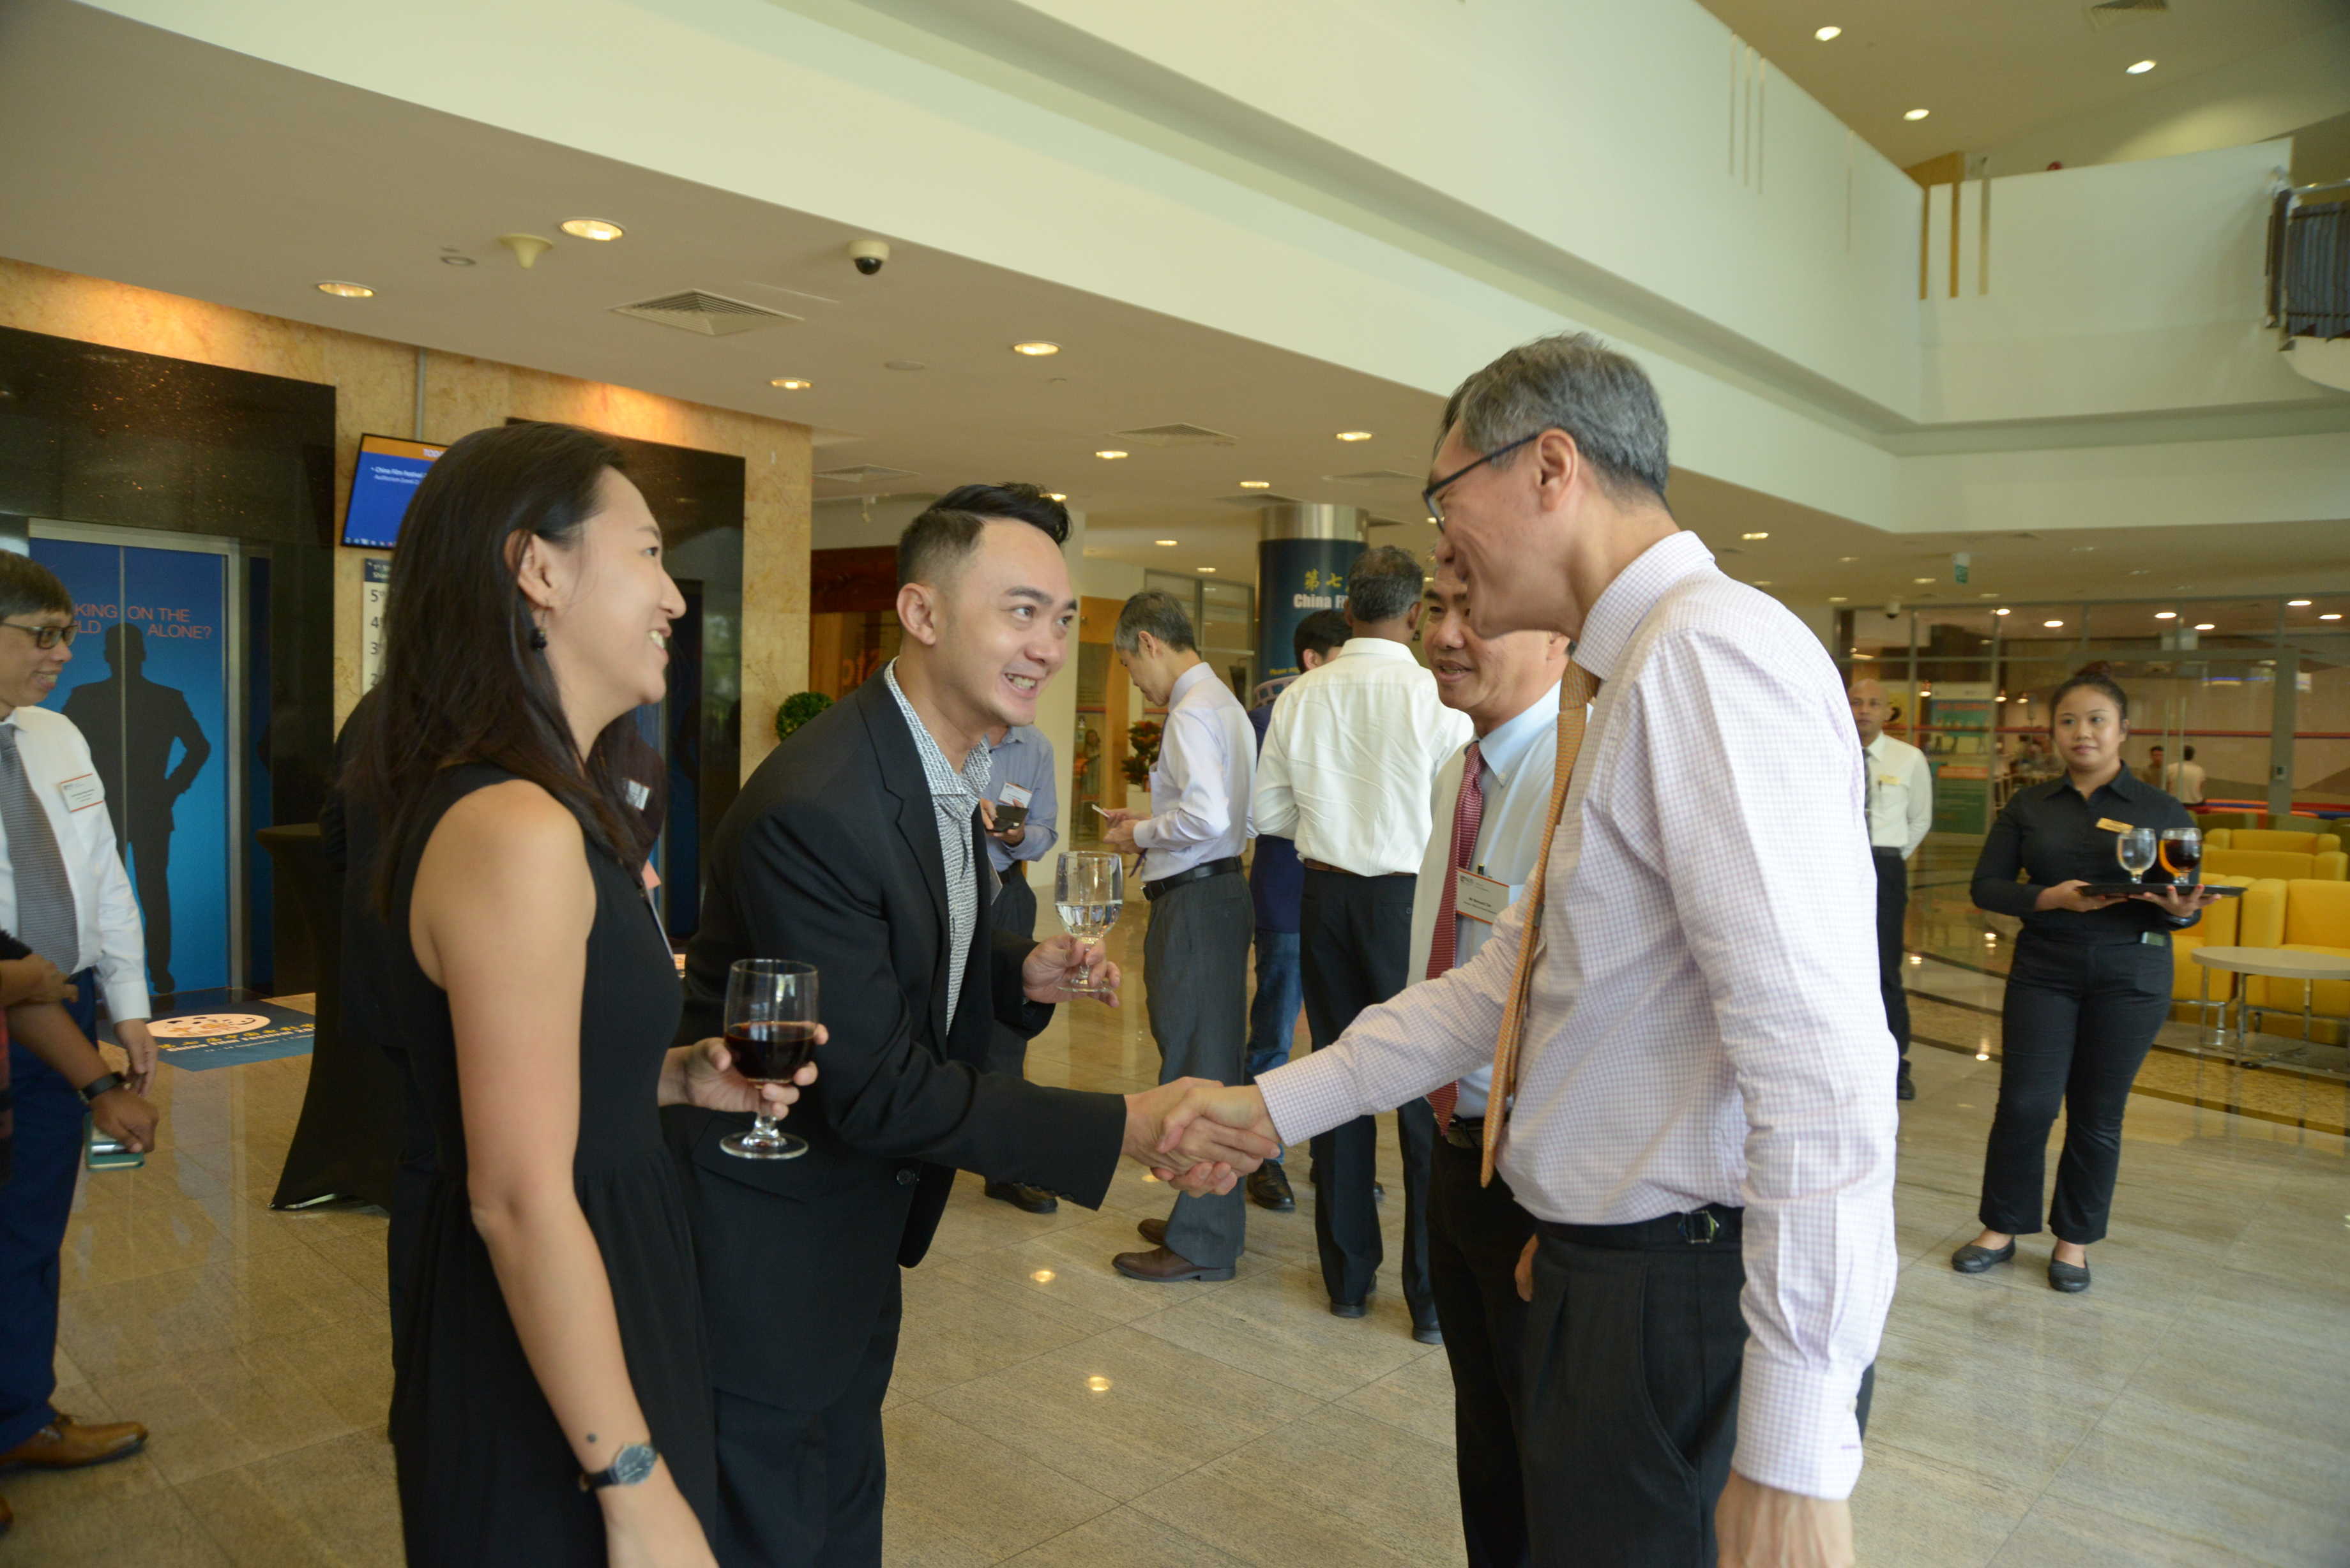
pixel 1491 804
pixel 1195 955
pixel 1349 757
pixel 1900 814
pixel 1688 1055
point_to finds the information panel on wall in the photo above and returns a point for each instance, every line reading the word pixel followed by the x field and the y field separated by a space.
pixel 1294 579
pixel 1958 744
pixel 148 688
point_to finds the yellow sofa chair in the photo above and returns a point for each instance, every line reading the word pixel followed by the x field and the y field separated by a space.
pixel 2316 918
pixel 2331 865
pixel 2293 841
pixel 2221 927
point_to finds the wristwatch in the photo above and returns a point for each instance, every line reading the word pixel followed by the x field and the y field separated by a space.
pixel 104 1084
pixel 630 1465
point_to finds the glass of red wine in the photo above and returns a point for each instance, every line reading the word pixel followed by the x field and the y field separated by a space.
pixel 2182 853
pixel 770 1021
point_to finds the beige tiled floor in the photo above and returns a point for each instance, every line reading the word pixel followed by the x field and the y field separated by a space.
pixel 2193 1408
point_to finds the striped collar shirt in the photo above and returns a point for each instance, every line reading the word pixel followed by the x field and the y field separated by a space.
pixel 955 794
pixel 1704 1026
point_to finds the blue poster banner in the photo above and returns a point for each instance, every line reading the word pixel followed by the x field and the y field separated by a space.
pixel 1295 577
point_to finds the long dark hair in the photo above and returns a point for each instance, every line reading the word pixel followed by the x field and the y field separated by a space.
pixel 461 681
pixel 2097 677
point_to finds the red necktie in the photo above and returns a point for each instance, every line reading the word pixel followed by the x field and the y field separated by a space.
pixel 1468 812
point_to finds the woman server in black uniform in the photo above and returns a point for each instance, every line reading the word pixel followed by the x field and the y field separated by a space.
pixel 2089 985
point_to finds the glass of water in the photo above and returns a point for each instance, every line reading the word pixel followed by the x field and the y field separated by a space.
pixel 2134 848
pixel 1088 890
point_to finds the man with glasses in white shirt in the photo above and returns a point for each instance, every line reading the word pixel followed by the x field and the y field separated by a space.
pixel 1348 760
pixel 64 894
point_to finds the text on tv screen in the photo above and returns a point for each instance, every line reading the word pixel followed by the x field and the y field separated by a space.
pixel 383 481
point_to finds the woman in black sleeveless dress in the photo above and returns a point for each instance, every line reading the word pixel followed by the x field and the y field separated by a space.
pixel 551 1336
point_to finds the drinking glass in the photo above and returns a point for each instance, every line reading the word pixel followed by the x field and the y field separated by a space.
pixel 1089 890
pixel 771 1023
pixel 2182 852
pixel 2134 847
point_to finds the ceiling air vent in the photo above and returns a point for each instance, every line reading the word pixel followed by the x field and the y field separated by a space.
pixel 2114 12
pixel 698 310
pixel 1259 498
pixel 1378 476
pixel 1176 435
pixel 865 474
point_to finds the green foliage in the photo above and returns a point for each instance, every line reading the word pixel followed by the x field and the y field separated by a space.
pixel 798 710
pixel 1141 753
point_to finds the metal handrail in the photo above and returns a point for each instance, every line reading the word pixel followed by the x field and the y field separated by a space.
pixel 2308 264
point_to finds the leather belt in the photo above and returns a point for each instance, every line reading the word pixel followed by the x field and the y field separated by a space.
pixel 1466 1133
pixel 1200 873
pixel 1713 1225
pixel 1360 876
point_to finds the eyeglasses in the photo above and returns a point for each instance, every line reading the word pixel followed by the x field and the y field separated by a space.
pixel 45 636
pixel 1429 495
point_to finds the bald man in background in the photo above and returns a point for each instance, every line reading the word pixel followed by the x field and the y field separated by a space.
pixel 1900 810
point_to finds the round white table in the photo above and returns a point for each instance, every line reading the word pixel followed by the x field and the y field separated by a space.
pixel 2279 963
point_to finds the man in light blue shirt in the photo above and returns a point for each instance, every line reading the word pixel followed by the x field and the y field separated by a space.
pixel 1195 954
pixel 1490 806
pixel 1022 811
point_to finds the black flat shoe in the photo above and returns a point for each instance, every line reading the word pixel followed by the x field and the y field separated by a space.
pixel 1973 1259
pixel 1903 1089
pixel 1268 1188
pixel 2070 1278
pixel 1026 1199
pixel 1347 1309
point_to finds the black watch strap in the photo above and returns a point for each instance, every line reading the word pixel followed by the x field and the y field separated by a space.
pixel 630 1465
pixel 104 1084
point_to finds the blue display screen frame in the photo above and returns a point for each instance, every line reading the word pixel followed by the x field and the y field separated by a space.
pixel 384 478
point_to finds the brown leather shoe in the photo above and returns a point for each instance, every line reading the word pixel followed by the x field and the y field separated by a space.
pixel 1162 1267
pixel 1153 1231
pixel 65 1443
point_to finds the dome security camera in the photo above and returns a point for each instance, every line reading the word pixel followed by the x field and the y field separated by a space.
pixel 868 255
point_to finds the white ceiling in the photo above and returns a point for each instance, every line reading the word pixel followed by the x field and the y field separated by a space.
pixel 1992 69
pixel 142 156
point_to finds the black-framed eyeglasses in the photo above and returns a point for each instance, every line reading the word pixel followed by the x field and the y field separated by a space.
pixel 1429 496
pixel 45 636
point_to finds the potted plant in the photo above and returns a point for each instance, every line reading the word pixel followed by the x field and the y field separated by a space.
pixel 797 710
pixel 1141 753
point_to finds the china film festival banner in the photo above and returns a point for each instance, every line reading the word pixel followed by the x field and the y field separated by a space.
pixel 1295 577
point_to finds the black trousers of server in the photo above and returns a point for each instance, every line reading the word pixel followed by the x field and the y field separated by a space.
pixel 1015 909
pixel 1355 949
pixel 1892 906
pixel 1474 1237
pixel 2077 1022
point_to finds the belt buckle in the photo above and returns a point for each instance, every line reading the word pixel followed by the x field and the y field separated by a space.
pixel 1706 1227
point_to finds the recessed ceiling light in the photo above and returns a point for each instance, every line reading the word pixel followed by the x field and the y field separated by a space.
pixel 1986 595
pixel 1761 582
pixel 1267 484
pixel 1824 34
pixel 791 383
pixel 1836 598
pixel 1056 496
pixel 1918 114
pixel 456 261
pixel 2296 604
pixel 1354 435
pixel 2002 611
pixel 2205 625
pixel 1110 455
pixel 1754 535
pixel 2052 625
pixel 2140 69
pixel 2331 615
pixel 342 290
pixel 592 229
pixel 1037 350
pixel 1167 541
pixel 1847 559
pixel 2166 614
pixel 1921 580
pixel 1207 568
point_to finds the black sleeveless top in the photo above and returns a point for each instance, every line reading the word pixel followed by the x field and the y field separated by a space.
pixel 485 1474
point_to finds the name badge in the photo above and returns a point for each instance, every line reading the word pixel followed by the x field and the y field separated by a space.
pixel 81 794
pixel 638 794
pixel 1479 898
pixel 2108 824
pixel 1012 794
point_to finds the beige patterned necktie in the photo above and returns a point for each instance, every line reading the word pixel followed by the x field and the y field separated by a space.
pixel 1575 695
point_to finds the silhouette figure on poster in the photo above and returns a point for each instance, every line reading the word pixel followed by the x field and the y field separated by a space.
pixel 131 724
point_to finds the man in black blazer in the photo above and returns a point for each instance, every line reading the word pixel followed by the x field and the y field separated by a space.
pixel 857 848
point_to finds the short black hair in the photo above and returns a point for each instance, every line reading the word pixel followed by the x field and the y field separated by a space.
pixel 1319 632
pixel 2190 753
pixel 2097 677
pixel 1385 583
pixel 28 587
pixel 935 543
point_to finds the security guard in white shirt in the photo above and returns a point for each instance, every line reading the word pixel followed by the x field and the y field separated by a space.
pixel 1900 810
pixel 64 894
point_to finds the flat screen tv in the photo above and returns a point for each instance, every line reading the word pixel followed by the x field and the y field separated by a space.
pixel 382 482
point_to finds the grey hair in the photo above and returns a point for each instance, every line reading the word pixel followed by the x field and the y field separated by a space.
pixel 1383 584
pixel 1569 382
pixel 1160 615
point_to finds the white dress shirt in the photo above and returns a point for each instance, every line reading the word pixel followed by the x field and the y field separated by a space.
pixel 1521 758
pixel 1900 795
pixel 2185 780
pixel 1200 786
pixel 113 940
pixel 1704 1026
pixel 1354 746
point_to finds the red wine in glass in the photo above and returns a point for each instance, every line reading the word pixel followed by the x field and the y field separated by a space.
pixel 2182 853
pixel 770 1019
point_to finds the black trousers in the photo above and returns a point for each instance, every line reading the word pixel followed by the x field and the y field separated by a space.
pixel 2077 1022
pixel 1892 906
pixel 1355 948
pixel 1474 1236
pixel 804 1487
pixel 1015 909
pixel 1632 1359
